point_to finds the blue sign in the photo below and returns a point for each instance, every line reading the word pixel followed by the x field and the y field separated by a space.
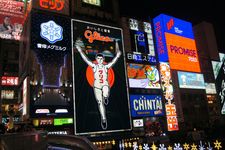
pixel 191 80
pixel 146 105
pixel 160 39
pixel 177 26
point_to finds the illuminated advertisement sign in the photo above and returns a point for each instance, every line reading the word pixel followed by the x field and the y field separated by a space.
pixel 63 121
pixel 25 96
pixel 51 79
pixel 217 65
pixel 143 76
pixel 220 86
pixel 168 94
pixel 7 94
pixel 56 6
pixel 140 58
pixel 160 39
pixel 92 2
pixel 138 123
pixel 175 43
pixel 11 19
pixel 146 105
pixel 100 80
pixel 11 81
pixel 191 80
pixel 141 37
pixel 176 26
pixel 210 88
pixel 182 53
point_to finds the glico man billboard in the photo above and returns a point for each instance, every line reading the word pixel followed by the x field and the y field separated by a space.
pixel 101 100
pixel 175 43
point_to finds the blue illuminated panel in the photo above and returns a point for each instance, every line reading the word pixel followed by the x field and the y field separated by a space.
pixel 177 26
pixel 146 105
pixel 160 39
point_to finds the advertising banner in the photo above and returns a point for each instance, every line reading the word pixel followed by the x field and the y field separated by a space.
pixel 141 37
pixel 143 76
pixel 51 69
pixel 101 100
pixel 218 64
pixel 191 80
pixel 220 85
pixel 56 6
pixel 11 19
pixel 182 53
pixel 160 39
pixel 176 26
pixel 175 43
pixel 146 105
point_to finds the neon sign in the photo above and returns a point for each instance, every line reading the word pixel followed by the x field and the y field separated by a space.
pixel 9 80
pixel 52 4
pixel 91 36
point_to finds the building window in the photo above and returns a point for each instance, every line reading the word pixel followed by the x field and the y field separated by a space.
pixel 93 2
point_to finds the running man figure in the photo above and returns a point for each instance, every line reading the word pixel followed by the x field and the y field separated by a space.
pixel 101 84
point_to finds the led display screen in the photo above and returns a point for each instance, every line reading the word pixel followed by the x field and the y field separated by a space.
pixel 143 76
pixel 182 53
pixel 51 68
pixel 101 101
pixel 146 105
pixel 191 80
pixel 11 19
pixel 56 6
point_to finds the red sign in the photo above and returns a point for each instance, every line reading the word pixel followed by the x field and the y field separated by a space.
pixel 57 6
pixel 9 80
pixel 52 4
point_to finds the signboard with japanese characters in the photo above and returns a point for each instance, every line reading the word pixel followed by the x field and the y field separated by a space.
pixel 56 6
pixel 11 19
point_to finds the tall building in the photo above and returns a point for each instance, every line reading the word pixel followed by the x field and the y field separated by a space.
pixel 208 52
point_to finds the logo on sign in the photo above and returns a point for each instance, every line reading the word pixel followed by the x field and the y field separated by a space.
pixel 51 31
pixel 52 4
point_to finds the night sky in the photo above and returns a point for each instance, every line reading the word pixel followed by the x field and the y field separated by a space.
pixel 195 12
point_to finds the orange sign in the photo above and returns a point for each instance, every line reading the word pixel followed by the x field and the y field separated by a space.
pixel 52 4
pixel 182 53
pixel 172 123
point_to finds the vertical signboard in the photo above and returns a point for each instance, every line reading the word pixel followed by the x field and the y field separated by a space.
pixel 11 19
pixel 50 68
pixel 168 93
pixel 101 100
pixel 220 82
